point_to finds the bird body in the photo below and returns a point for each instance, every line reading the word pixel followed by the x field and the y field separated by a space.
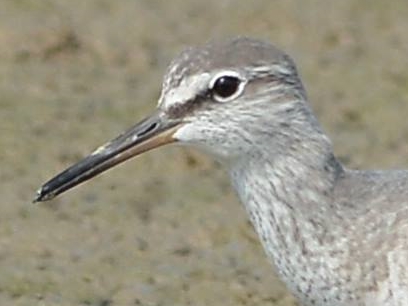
pixel 336 236
pixel 338 246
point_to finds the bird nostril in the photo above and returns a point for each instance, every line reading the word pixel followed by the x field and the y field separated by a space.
pixel 149 129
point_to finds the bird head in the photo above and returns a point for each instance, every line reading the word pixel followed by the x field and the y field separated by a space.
pixel 227 98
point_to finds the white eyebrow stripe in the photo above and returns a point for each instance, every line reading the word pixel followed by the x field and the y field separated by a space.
pixel 187 90
pixel 269 69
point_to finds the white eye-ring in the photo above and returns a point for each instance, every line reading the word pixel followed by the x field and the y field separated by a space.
pixel 226 86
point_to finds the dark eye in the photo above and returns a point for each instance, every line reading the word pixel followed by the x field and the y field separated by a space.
pixel 225 87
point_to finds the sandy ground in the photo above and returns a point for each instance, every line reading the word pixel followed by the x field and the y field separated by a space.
pixel 166 228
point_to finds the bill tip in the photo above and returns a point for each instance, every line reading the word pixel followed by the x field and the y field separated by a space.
pixel 38 196
pixel 42 196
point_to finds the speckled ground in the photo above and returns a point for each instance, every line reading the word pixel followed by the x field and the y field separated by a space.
pixel 166 229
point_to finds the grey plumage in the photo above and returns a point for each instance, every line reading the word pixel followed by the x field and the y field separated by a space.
pixel 336 236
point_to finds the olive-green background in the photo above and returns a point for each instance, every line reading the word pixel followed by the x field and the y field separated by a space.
pixel 166 228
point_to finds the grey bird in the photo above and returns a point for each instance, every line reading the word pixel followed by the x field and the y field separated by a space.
pixel 336 236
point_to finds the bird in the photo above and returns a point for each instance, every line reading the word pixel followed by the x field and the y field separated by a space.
pixel 336 236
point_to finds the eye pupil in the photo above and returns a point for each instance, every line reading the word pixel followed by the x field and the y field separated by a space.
pixel 226 86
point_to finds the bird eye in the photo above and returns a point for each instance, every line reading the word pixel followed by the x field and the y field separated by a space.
pixel 226 87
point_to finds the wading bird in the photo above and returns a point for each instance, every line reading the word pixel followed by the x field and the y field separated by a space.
pixel 336 236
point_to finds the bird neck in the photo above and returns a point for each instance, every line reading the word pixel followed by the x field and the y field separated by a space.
pixel 289 199
pixel 301 178
pixel 295 183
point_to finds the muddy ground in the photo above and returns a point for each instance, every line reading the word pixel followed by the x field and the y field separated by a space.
pixel 166 228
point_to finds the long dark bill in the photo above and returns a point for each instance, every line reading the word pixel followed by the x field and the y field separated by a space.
pixel 150 133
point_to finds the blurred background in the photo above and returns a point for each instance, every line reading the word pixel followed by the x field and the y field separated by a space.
pixel 166 228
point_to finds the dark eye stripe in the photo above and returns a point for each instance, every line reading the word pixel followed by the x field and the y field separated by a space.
pixel 182 109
